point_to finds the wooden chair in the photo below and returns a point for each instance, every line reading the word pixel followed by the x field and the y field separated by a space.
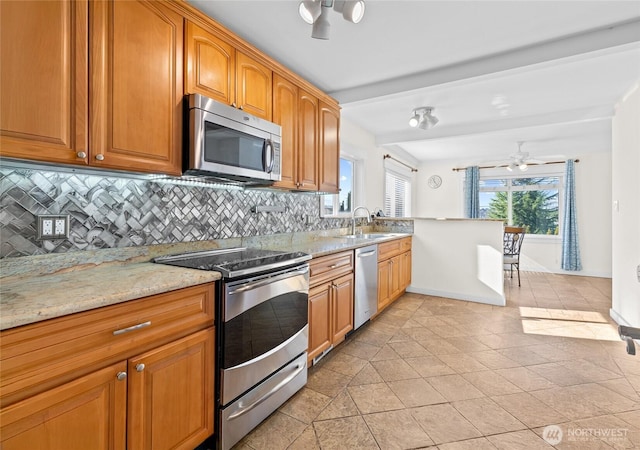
pixel 512 240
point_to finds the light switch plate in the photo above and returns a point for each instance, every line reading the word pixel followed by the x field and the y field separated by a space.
pixel 53 227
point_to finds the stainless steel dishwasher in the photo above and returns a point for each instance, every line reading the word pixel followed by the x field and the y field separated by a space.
pixel 366 291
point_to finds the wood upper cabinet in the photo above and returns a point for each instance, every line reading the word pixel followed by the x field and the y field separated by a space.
pixel 215 69
pixel 210 65
pixel 87 413
pixel 43 80
pixel 170 402
pixel 136 86
pixel 307 142
pixel 285 114
pixel 329 149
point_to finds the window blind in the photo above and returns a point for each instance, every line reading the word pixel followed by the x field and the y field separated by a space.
pixel 397 199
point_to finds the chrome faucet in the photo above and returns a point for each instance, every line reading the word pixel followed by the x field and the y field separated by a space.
pixel 353 218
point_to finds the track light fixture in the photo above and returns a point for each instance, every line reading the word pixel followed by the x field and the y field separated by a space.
pixel 423 118
pixel 315 12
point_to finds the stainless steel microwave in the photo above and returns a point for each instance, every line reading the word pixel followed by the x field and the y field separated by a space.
pixel 228 144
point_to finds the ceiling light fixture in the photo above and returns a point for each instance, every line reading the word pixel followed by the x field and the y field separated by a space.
pixel 315 12
pixel 423 118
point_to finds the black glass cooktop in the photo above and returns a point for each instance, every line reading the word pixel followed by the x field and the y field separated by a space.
pixel 235 262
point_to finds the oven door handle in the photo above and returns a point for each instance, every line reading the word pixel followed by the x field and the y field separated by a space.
pixel 299 368
pixel 260 283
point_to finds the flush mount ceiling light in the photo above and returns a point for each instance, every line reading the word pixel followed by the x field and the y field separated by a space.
pixel 423 118
pixel 315 12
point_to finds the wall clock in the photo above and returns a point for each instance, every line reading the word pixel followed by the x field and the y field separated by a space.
pixel 434 181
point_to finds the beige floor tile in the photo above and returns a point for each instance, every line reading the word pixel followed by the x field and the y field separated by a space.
pixel 491 383
pixel 415 392
pixel 487 416
pixel 454 387
pixel 326 381
pixel 386 352
pixel 466 345
pixel 359 349
pixel 519 440
pixel 368 375
pixel 558 374
pixel 409 349
pixel 340 434
pixel 341 406
pixel 397 430
pixel 306 405
pixel 371 398
pixel 444 424
pixel 525 379
pixel 439 346
pixel 523 356
pixel 419 333
pixel 394 370
pixel 371 337
pixel 430 366
pixel 278 431
pixel 470 444
pixel 622 387
pixel 462 363
pixel 529 410
pixel 494 360
pixel 306 441
pixel 612 430
pixel 344 364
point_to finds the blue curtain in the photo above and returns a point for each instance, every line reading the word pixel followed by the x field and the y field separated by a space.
pixel 472 192
pixel 570 246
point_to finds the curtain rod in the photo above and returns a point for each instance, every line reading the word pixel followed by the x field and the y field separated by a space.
pixel 400 162
pixel 458 169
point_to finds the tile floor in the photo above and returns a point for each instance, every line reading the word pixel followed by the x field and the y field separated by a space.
pixel 437 373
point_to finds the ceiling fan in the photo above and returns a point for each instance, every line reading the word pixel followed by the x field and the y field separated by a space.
pixel 521 160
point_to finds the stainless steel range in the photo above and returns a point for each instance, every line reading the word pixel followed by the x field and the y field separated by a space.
pixel 262 332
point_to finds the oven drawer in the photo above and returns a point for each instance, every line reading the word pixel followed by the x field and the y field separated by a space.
pixel 40 356
pixel 329 267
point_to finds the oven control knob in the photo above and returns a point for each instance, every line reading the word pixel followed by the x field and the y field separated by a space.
pixel 140 367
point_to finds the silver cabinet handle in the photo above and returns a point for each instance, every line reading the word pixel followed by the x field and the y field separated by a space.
pixel 100 157
pixel 139 367
pixel 132 328
pixel 81 155
pixel 121 376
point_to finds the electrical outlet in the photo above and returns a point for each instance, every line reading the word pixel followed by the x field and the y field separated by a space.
pixel 53 227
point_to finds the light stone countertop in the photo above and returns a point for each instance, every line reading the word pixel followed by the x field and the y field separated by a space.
pixel 33 299
pixel 51 291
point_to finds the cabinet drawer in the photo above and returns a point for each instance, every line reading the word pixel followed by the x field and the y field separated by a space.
pixel 39 356
pixel 390 249
pixel 329 267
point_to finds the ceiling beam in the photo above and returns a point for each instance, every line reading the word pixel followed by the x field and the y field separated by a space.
pixel 493 126
pixel 594 40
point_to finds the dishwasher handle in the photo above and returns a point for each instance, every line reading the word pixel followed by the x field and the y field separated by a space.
pixel 365 254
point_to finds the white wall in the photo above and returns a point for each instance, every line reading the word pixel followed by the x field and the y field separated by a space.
pixel 360 144
pixel 626 209
pixel 543 254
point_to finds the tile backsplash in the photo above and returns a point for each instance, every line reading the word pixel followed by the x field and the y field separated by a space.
pixel 113 212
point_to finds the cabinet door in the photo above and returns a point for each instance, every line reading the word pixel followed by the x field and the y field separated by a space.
pixel 210 65
pixel 384 283
pixel 171 394
pixel 253 86
pixel 342 307
pixel 87 413
pixel 43 80
pixel 319 320
pixel 405 270
pixel 395 277
pixel 329 149
pixel 136 86
pixel 307 141
pixel 285 114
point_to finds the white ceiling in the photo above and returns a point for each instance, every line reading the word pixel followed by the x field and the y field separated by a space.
pixel 545 72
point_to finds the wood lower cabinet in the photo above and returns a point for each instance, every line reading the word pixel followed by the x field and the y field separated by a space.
pixel 394 270
pixel 330 301
pixel 87 413
pixel 43 80
pixel 72 383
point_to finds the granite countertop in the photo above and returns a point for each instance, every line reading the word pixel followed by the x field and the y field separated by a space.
pixel 50 291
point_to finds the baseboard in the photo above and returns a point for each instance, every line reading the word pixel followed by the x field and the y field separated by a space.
pixel 581 273
pixel 458 296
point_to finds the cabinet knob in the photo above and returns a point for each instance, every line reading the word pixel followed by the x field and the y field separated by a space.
pixel 82 155
pixel 121 376
pixel 234 104
pixel 100 157
pixel 139 367
pixel 241 107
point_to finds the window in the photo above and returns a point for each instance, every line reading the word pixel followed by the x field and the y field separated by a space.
pixel 397 194
pixel 531 202
pixel 341 203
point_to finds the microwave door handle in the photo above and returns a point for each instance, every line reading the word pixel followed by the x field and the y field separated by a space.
pixel 268 155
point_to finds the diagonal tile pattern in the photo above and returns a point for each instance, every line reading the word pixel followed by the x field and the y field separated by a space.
pixel 444 374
